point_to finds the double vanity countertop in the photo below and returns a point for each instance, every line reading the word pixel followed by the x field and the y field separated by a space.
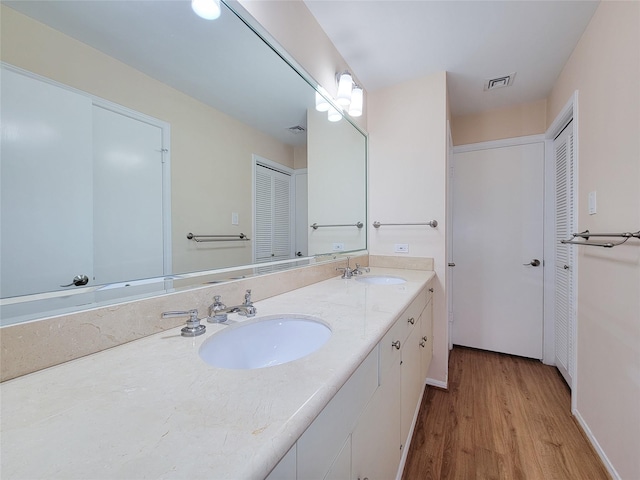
pixel 153 408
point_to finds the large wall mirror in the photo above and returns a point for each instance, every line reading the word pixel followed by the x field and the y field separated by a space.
pixel 128 125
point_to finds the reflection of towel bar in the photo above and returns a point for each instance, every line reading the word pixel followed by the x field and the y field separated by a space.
pixel 586 234
pixel 315 226
pixel 432 223
pixel 217 238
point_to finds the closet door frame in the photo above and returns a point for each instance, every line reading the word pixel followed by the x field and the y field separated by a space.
pixel 568 113
pixel 258 160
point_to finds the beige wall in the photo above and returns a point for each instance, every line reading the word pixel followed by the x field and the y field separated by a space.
pixel 407 182
pixel 605 69
pixel 291 24
pixel 519 121
pixel 210 151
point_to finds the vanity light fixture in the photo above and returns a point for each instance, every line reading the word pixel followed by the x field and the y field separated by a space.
pixel 357 98
pixel 207 9
pixel 350 97
pixel 345 87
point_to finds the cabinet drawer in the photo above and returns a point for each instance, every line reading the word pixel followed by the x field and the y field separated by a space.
pixel 410 317
pixel 322 441
pixel 389 354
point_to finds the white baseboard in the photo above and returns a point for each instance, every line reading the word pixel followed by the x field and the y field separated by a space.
pixel 596 445
pixel 437 383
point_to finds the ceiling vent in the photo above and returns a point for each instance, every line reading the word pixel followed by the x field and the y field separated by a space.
pixel 499 82
pixel 297 129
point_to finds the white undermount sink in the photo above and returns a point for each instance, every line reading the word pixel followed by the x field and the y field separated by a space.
pixel 264 342
pixel 381 279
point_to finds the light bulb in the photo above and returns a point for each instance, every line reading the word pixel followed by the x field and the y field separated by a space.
pixel 322 104
pixel 207 9
pixel 334 115
pixel 344 89
pixel 357 99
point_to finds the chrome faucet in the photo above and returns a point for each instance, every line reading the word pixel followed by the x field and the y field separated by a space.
pixel 218 311
pixel 346 271
pixel 359 270
pixel 193 328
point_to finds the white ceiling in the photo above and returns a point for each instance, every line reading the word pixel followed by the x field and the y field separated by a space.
pixel 386 42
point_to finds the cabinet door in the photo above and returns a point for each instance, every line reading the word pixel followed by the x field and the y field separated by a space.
pixel 426 341
pixel 320 444
pixel 410 379
pixel 375 442
pixel 341 468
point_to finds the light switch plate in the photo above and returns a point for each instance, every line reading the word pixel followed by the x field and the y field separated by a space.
pixel 401 248
pixel 234 218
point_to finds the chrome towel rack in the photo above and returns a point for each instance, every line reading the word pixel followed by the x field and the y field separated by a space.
pixel 315 226
pixel 217 238
pixel 432 224
pixel 587 234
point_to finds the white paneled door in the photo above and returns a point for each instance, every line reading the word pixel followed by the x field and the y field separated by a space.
pixel 498 249
pixel 127 198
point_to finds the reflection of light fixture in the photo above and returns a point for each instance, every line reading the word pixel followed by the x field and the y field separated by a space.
pixel 322 104
pixel 334 115
pixel 207 9
pixel 350 96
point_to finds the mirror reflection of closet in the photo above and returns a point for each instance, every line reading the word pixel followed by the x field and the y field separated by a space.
pixel 214 108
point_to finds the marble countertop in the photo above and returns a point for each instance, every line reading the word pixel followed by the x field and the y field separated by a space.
pixel 153 409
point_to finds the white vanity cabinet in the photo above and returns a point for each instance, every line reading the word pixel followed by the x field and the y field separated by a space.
pixel 375 442
pixel 364 430
pixel 426 340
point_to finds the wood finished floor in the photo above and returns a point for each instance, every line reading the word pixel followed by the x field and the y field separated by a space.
pixel 504 417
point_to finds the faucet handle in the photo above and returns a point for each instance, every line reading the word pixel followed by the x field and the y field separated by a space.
pixel 214 311
pixel 193 328
pixel 249 310
pixel 217 302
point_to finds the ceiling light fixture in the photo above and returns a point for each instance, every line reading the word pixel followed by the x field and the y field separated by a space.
pixel 350 97
pixel 207 9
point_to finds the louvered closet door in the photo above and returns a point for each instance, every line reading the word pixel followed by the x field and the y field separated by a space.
pixel 273 215
pixel 564 259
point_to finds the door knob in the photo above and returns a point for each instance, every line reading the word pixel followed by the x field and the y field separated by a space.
pixel 78 281
pixel 533 263
pixel 566 267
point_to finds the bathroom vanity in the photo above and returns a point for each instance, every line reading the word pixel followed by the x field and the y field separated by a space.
pixel 153 408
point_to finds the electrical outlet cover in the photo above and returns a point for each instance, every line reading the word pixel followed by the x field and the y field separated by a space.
pixel 401 248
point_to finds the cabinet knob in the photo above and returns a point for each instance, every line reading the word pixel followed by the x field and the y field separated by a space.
pixel 422 344
pixel 424 339
pixel 431 290
pixel 396 344
pixel 412 320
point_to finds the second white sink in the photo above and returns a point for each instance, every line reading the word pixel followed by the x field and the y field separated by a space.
pixel 264 342
pixel 381 280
